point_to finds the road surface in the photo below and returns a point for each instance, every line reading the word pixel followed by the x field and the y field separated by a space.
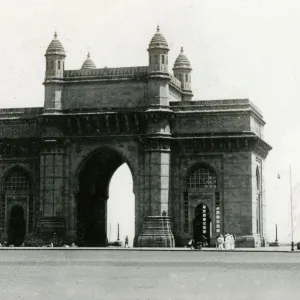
pixel 109 274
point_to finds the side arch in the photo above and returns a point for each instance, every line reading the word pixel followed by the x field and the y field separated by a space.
pixel 17 191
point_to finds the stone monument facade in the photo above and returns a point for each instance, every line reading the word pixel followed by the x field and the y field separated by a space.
pixel 197 166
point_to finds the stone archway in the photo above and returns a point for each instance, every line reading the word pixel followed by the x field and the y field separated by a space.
pixel 93 181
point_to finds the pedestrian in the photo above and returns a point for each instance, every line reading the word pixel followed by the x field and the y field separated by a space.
pixel 126 242
pixel 220 242
pixel 227 241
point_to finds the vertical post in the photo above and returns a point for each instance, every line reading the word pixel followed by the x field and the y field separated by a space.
pixel 291 196
pixel 276 239
pixel 118 232
pixel 109 231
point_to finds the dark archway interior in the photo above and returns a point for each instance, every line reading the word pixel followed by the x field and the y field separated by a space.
pixel 94 179
pixel 17 226
pixel 202 224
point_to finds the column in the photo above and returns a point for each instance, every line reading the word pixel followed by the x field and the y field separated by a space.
pixel 156 229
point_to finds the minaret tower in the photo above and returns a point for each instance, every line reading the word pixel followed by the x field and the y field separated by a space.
pixel 155 166
pixel 182 71
pixel 55 64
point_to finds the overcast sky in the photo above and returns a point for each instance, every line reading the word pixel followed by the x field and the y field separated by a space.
pixel 238 49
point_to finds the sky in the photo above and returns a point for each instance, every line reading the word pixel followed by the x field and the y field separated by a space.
pixel 238 49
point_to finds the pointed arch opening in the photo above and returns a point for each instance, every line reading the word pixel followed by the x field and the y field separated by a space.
pixel 103 171
pixel 202 195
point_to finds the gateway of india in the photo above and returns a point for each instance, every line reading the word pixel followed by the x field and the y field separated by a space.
pixel 197 166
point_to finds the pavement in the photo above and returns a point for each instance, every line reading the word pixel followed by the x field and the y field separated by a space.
pixel 260 249
pixel 134 274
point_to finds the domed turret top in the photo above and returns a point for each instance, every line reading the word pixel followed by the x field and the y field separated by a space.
pixel 182 62
pixel 158 41
pixel 55 47
pixel 88 63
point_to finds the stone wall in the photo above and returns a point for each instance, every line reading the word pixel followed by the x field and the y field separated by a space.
pixel 104 95
pixel 213 122
pixel 237 193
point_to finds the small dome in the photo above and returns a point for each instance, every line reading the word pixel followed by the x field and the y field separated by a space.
pixel 55 47
pixel 158 41
pixel 88 63
pixel 182 62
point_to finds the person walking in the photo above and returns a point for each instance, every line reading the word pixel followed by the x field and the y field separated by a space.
pixel 126 242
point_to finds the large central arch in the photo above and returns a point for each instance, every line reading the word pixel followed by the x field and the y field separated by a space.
pixel 93 181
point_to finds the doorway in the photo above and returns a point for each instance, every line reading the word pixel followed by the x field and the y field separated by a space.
pixel 201 224
pixel 16 226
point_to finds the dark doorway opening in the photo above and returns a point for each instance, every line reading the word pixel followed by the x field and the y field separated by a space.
pixel 93 182
pixel 202 225
pixel 16 226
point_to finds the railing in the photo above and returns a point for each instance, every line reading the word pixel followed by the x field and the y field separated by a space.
pixel 21 111
pixel 211 105
pixel 176 82
pixel 107 72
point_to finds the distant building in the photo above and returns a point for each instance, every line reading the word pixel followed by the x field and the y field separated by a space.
pixel 197 166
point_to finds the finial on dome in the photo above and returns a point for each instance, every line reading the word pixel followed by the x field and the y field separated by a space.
pixel 181 50
pixel 157 28
pixel 88 55
pixel 55 34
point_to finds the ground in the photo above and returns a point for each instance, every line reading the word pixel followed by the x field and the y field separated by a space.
pixel 127 274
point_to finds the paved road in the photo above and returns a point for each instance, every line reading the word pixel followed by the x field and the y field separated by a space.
pixel 108 274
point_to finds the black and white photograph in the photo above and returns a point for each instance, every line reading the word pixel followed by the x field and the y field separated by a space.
pixel 149 150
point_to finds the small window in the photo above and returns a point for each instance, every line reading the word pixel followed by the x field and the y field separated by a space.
pixel 156 59
pixel 52 64
pixel 58 65
pixel 163 59
pixel 186 78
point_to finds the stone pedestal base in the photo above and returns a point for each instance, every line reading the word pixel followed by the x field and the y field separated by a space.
pixel 156 232
pixel 49 229
pixel 250 241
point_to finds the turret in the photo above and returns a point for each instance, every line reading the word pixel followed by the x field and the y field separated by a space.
pixel 159 77
pixel 158 53
pixel 55 64
pixel 88 63
pixel 55 59
pixel 182 71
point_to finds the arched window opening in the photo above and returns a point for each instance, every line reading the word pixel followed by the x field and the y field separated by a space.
pixel 163 59
pixel 17 181
pixel 186 78
pixel 52 64
pixel 58 65
pixel 202 177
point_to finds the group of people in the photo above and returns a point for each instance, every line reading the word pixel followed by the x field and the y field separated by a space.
pixel 226 242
